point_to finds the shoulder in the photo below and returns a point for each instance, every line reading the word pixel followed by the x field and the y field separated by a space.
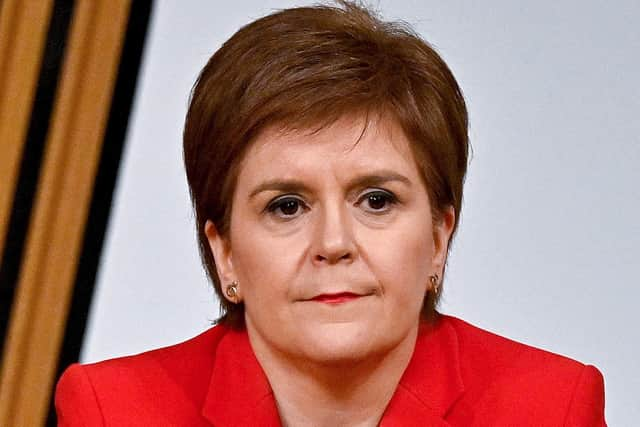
pixel 479 347
pixel 174 378
pixel 524 381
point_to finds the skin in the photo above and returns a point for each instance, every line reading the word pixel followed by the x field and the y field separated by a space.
pixel 317 214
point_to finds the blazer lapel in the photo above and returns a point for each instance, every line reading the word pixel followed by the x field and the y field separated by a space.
pixel 432 382
pixel 239 393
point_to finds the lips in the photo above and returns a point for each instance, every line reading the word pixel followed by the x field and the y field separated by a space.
pixel 336 298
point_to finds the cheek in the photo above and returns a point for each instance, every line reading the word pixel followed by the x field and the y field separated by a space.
pixel 265 265
pixel 401 258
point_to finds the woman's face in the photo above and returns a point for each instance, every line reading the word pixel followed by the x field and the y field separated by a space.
pixel 331 241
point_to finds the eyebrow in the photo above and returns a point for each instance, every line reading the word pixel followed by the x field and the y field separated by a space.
pixel 374 179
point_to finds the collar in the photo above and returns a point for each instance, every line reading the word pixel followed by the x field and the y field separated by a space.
pixel 240 395
pixel 432 382
pixel 239 392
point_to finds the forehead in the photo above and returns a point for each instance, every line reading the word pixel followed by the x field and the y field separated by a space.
pixel 353 142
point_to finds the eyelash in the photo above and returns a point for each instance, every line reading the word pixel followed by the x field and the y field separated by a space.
pixel 389 198
pixel 278 203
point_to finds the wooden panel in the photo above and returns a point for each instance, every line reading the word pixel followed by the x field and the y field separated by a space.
pixel 64 193
pixel 23 31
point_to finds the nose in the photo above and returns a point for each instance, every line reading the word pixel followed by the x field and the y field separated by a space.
pixel 333 240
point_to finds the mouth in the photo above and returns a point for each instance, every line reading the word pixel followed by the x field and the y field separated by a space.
pixel 337 298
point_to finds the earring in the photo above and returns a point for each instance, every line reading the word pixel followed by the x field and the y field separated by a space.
pixel 232 290
pixel 435 284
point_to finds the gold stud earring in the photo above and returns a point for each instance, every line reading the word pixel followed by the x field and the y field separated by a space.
pixel 435 284
pixel 232 290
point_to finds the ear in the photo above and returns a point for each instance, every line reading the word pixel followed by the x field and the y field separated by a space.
pixel 221 250
pixel 441 235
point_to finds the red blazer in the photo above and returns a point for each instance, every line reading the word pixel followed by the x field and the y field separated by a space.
pixel 459 375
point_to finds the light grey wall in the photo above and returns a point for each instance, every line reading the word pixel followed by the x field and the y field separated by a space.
pixel 549 240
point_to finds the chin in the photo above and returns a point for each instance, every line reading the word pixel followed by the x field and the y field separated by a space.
pixel 344 343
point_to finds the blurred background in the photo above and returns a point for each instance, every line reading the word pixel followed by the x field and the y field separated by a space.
pixel 97 239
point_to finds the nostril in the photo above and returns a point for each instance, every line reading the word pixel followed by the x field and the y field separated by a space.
pixel 333 258
pixel 346 256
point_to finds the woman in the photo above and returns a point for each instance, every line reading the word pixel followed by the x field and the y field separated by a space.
pixel 326 152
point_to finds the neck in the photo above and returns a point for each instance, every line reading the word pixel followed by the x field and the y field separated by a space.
pixel 316 393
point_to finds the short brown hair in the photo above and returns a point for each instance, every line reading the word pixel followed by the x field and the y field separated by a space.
pixel 308 67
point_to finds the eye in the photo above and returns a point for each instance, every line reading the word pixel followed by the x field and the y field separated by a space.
pixel 286 207
pixel 377 201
